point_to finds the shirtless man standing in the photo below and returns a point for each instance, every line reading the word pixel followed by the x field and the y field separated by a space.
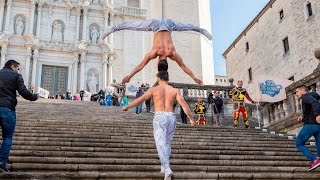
pixel 164 121
pixel 162 43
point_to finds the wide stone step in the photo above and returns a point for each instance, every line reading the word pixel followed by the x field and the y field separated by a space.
pixel 214 144
pixel 106 154
pixel 155 176
pixel 176 161
pixel 16 167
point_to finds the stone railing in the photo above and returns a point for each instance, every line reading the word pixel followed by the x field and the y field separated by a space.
pixel 279 116
pixel 192 92
pixel 132 11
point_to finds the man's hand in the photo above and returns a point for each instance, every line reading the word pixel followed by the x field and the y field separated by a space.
pixel 126 79
pixel 192 122
pixel 125 108
pixel 318 119
pixel 198 81
pixel 299 118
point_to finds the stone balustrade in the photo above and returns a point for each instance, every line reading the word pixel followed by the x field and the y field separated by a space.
pixel 132 11
pixel 192 92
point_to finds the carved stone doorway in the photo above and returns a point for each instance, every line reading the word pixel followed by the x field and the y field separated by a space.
pixel 55 79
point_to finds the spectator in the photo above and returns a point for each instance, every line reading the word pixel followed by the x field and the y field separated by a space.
pixel 10 82
pixel 139 107
pixel 183 116
pixel 68 95
pixel 200 109
pixel 81 94
pixel 115 101
pixel 218 108
pixel 311 124
pixel 148 104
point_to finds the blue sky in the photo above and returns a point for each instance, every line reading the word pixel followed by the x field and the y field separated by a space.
pixel 229 19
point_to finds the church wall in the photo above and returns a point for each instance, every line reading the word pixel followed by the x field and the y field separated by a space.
pixel 127 50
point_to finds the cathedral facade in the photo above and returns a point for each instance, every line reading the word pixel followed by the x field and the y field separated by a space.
pixel 59 46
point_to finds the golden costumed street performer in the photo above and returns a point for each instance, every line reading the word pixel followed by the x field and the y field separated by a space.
pixel 238 94
pixel 200 109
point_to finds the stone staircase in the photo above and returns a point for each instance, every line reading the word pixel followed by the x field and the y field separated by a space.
pixel 57 139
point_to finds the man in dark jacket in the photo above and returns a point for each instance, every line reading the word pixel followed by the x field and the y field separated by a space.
pixel 139 107
pixel 218 108
pixel 82 92
pixel 10 82
pixel 311 127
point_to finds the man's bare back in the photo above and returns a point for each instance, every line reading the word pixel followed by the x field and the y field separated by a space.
pixel 163 97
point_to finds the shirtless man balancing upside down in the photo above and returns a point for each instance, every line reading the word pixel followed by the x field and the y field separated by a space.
pixel 162 43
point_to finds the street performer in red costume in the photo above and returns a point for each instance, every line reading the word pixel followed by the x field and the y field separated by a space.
pixel 200 109
pixel 238 94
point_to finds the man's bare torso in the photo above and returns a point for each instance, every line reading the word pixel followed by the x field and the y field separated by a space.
pixel 163 45
pixel 163 97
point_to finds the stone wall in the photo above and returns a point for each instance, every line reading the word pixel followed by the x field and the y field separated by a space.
pixel 265 37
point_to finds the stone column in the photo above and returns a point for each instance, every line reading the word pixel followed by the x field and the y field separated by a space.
pixel 276 112
pixel 27 66
pixel 106 18
pixel 69 76
pixel 67 29
pixel 75 73
pixel 297 104
pixel 34 67
pixel 49 23
pixel 285 107
pixel 104 72
pixel 2 3
pixel 78 23
pixel 39 19
pixel 111 24
pixel 8 15
pixel 31 17
pixel 84 30
pixel 281 110
pixel 271 113
pixel 265 115
pixel 3 55
pixel 110 78
pixel 82 66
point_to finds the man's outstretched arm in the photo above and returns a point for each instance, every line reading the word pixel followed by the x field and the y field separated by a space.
pixel 176 57
pixel 185 107
pixel 139 100
pixel 151 55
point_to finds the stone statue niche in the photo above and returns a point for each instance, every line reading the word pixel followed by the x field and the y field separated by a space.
pixel 94 33
pixel 92 81
pixel 57 31
pixel 19 25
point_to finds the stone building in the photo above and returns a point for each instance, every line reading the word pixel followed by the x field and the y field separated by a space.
pixel 280 41
pixel 221 80
pixel 59 45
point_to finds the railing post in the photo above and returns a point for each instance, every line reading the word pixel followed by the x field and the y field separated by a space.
pixel 265 115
